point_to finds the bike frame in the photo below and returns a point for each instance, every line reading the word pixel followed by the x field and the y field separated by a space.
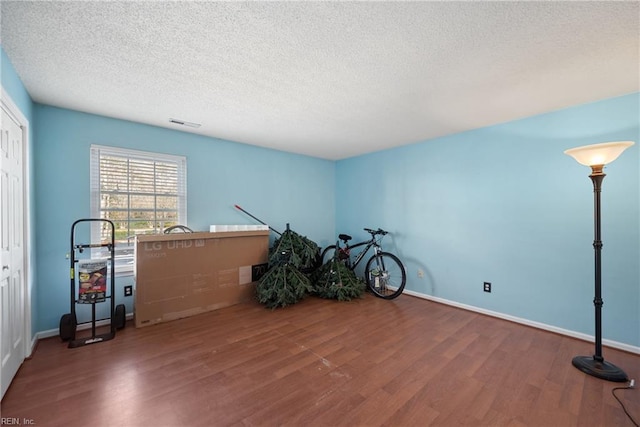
pixel 387 284
pixel 369 243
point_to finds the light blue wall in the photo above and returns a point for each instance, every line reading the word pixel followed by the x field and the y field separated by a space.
pixel 14 87
pixel 500 204
pixel 504 204
pixel 276 187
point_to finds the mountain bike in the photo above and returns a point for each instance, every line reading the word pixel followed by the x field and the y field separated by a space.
pixel 384 273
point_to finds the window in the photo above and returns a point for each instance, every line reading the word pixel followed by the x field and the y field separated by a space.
pixel 140 192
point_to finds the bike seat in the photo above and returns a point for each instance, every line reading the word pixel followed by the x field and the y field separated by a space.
pixel 344 237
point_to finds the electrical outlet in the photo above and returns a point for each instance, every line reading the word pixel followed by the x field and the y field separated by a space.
pixel 487 286
pixel 128 291
pixel 420 273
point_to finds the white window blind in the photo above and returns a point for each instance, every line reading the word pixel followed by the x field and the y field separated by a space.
pixel 140 192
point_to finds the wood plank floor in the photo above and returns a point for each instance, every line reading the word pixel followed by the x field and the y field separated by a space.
pixel 326 363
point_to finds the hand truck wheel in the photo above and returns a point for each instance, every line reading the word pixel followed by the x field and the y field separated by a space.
pixel 120 316
pixel 68 323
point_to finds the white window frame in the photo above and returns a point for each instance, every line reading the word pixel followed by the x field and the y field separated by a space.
pixel 124 253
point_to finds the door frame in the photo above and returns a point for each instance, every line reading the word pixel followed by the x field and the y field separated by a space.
pixel 13 110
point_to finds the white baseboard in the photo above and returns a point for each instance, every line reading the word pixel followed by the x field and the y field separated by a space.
pixel 55 332
pixel 32 347
pixel 533 324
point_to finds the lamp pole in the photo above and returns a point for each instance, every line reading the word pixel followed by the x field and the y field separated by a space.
pixel 597 176
pixel 596 156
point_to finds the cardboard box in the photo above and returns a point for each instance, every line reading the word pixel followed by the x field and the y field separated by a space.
pixel 180 275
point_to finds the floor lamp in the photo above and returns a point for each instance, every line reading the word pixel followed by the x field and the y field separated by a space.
pixel 596 156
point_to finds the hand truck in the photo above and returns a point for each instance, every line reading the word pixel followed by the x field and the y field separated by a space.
pixel 93 275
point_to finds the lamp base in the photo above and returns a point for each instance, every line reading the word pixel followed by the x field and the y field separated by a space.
pixel 603 370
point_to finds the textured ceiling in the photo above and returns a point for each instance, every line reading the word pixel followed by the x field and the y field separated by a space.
pixel 326 79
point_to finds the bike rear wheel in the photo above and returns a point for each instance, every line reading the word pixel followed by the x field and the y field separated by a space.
pixel 385 275
pixel 328 253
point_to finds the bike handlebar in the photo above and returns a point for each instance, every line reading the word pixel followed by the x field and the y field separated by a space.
pixel 374 232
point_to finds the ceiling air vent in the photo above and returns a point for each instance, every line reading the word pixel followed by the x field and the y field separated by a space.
pixel 183 123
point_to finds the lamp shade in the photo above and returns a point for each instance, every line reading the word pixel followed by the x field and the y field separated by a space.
pixel 598 154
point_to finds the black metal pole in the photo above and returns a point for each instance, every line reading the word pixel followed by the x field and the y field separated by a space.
pixel 596 365
pixel 597 178
pixel 259 220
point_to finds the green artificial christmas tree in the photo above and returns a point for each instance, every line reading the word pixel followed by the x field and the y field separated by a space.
pixel 285 282
pixel 335 280
pixel 298 250
pixel 282 285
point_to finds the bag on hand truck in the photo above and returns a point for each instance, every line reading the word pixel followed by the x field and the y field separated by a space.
pixel 96 285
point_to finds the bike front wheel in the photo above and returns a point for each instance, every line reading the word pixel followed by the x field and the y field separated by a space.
pixel 385 275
